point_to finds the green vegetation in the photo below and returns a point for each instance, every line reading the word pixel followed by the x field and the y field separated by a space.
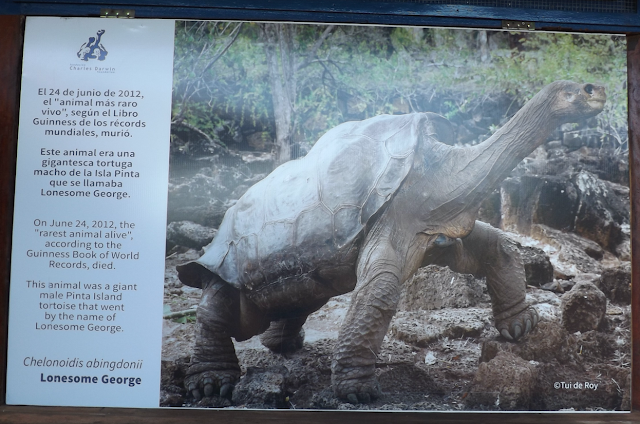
pixel 223 87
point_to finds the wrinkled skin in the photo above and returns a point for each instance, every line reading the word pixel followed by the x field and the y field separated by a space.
pixel 429 219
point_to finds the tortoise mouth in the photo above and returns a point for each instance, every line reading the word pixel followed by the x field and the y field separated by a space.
pixel 597 104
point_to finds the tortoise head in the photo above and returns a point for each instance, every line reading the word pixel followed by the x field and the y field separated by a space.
pixel 573 101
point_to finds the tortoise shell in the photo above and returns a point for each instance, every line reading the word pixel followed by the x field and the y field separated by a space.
pixel 309 213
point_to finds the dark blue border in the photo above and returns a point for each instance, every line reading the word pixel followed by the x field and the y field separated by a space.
pixel 347 11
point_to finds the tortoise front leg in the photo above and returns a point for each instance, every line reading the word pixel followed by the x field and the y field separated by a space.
pixel 373 304
pixel 488 252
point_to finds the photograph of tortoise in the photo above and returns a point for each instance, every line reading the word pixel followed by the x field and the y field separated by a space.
pixel 370 203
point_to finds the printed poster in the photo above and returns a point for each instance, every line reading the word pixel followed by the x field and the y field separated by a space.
pixel 353 217
pixel 90 210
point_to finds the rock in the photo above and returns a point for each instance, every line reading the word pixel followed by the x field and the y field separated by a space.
pixel 190 234
pixel 583 308
pixel 172 372
pixel 421 328
pixel 623 250
pixel 548 342
pixel 573 140
pixel 538 199
pixel 562 357
pixel 606 163
pixel 602 210
pixel 577 388
pixel 546 303
pixel 506 382
pixel 548 312
pixel 553 144
pixel 558 286
pixel 615 283
pixel 172 392
pixel 573 254
pixel 562 285
pixel 413 380
pixel 585 191
pixel 435 287
pixel 594 346
pixel 587 277
pixel 262 388
pixel 537 266
pixel 583 137
pixel 171 397
pixel 581 203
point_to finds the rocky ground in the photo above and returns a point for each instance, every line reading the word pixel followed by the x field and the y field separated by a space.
pixel 441 353
pixel 567 205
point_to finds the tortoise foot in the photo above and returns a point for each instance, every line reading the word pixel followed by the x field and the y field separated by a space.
pixel 210 383
pixel 519 325
pixel 284 345
pixel 356 390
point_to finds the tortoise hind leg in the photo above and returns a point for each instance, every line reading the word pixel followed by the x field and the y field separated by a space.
pixel 488 252
pixel 285 335
pixel 214 366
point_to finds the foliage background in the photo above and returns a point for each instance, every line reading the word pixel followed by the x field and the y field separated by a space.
pixel 224 96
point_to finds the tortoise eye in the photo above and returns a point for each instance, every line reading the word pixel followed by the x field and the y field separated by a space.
pixel 588 88
pixel 443 241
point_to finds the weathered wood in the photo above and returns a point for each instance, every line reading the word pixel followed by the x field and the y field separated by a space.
pixel 37 415
pixel 11 30
pixel 11 33
pixel 633 76
pixel 357 11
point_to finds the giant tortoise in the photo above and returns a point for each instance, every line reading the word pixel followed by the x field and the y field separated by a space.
pixel 362 211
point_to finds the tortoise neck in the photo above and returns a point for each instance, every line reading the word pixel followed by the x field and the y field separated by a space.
pixel 491 161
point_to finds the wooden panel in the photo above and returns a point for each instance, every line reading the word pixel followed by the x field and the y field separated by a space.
pixel 33 415
pixel 11 32
pixel 400 8
pixel 347 11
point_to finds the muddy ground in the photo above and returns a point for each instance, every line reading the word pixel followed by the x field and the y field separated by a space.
pixel 441 351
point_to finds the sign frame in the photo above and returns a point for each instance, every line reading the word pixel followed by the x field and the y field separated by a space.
pixel 11 38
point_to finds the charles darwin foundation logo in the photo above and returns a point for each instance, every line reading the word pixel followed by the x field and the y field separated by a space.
pixel 93 49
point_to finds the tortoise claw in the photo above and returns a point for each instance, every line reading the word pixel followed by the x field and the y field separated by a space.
pixel 194 391
pixel 506 335
pixel 226 391
pixel 210 383
pixel 208 389
pixel 517 331
pixel 356 388
pixel 518 325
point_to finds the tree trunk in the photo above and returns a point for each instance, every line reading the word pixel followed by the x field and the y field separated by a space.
pixel 281 62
